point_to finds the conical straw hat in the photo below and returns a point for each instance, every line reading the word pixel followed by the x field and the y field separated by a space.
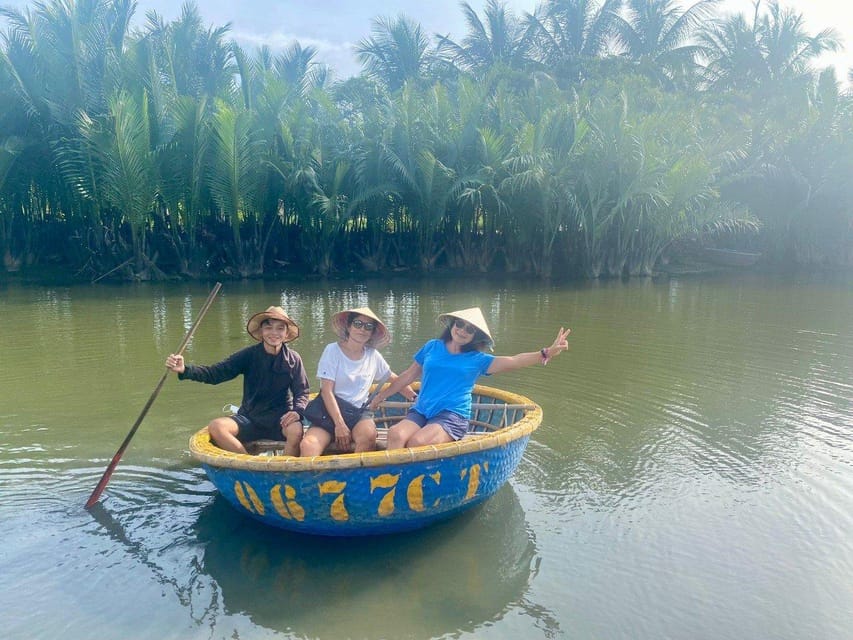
pixel 472 316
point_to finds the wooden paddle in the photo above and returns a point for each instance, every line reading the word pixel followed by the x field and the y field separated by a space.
pixel 102 483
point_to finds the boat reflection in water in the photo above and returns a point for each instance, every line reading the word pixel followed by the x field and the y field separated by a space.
pixel 455 576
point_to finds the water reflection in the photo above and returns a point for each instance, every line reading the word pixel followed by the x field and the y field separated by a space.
pixel 453 577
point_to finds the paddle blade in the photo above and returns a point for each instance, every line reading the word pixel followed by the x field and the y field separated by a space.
pixel 102 483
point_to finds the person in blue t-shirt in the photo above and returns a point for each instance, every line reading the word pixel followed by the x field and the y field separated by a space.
pixel 448 367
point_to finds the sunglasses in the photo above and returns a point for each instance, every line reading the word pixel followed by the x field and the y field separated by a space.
pixel 470 329
pixel 361 324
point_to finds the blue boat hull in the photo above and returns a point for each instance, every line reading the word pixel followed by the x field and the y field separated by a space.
pixel 377 492
pixel 369 501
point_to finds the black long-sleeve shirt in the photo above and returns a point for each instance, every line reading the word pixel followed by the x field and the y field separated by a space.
pixel 272 384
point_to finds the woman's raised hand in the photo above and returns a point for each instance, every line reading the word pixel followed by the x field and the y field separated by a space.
pixel 560 343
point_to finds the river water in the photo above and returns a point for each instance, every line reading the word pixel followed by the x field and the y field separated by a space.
pixel 692 476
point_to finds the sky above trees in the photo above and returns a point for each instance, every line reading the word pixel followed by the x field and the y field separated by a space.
pixel 334 26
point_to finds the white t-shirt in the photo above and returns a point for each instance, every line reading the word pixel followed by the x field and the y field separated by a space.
pixel 352 378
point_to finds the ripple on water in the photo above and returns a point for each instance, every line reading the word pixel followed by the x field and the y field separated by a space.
pixel 62 554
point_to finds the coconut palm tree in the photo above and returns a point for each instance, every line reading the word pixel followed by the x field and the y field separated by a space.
pixel 572 36
pixel 396 52
pixel 772 47
pixel 658 35
pixel 496 39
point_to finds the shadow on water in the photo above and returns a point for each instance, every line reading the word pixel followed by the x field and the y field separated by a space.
pixel 451 578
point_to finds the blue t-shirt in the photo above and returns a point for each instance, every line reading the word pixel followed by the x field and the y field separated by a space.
pixel 448 378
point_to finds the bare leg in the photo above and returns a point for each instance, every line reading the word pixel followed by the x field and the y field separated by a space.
pixel 224 432
pixel 364 434
pixel 293 434
pixel 399 434
pixel 430 434
pixel 315 442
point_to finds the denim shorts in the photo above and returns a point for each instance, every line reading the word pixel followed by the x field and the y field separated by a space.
pixel 453 424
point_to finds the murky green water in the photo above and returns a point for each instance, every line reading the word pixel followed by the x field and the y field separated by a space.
pixel 692 478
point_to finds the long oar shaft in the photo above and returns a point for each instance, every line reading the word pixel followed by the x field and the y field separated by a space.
pixel 102 483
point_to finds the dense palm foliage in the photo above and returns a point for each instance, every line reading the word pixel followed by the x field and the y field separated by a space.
pixel 585 139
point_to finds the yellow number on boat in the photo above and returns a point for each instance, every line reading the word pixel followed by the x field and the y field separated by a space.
pixel 415 492
pixel 338 511
pixel 473 473
pixel 287 506
pixel 248 498
pixel 385 481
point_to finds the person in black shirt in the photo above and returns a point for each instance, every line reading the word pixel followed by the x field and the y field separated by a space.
pixel 275 386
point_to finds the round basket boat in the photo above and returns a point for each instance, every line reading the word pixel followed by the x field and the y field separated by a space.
pixel 380 491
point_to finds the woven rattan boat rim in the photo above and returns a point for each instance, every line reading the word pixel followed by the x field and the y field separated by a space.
pixel 207 453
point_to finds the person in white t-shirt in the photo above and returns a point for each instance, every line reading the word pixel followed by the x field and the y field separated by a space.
pixel 347 369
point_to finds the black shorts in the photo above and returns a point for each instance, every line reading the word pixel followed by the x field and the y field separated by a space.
pixel 367 414
pixel 249 431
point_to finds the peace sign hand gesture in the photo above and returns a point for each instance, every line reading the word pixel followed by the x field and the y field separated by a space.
pixel 560 343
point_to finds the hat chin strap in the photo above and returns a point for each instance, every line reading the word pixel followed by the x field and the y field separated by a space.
pixel 268 346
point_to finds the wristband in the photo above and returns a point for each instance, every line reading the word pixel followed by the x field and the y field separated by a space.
pixel 544 353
